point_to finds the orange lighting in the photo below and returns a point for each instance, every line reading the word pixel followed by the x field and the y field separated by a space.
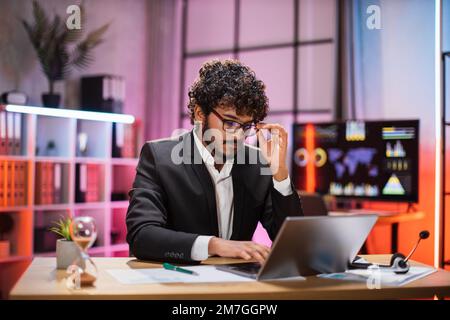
pixel 310 164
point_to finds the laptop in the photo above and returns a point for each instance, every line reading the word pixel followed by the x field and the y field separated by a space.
pixel 310 245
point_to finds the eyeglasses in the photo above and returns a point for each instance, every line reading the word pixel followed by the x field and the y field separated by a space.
pixel 232 126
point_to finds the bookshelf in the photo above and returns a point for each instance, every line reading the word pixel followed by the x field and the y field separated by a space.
pixel 66 143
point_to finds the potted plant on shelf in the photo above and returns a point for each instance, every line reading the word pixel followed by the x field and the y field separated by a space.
pixel 67 252
pixel 59 48
pixel 6 225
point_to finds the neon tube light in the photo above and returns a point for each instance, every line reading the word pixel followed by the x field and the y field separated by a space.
pixel 311 164
pixel 68 113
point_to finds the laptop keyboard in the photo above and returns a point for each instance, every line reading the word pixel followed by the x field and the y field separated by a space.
pixel 250 267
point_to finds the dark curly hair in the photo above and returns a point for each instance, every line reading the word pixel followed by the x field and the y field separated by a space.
pixel 228 83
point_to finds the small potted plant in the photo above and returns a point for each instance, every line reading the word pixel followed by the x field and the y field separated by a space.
pixel 59 48
pixel 67 252
pixel 6 225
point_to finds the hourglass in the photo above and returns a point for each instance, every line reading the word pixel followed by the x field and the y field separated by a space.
pixel 83 232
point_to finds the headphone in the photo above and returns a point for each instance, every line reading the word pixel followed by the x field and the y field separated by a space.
pixel 399 263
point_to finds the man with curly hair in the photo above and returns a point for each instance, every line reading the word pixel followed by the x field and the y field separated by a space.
pixel 210 202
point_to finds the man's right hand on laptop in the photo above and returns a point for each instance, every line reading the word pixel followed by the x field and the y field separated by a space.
pixel 238 249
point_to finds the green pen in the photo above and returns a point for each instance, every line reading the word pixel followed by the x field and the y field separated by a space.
pixel 169 266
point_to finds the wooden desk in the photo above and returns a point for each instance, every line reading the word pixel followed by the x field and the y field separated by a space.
pixel 386 218
pixel 42 281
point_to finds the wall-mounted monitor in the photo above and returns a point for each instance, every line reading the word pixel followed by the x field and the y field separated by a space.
pixel 375 160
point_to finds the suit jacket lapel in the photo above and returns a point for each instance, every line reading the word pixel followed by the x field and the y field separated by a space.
pixel 197 170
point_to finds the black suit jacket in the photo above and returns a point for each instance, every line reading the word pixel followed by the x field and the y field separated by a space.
pixel 173 203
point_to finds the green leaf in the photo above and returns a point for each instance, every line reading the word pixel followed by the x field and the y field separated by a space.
pixel 62 228
pixel 94 37
pixel 41 22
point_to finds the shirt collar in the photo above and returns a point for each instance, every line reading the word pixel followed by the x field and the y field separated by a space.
pixel 208 159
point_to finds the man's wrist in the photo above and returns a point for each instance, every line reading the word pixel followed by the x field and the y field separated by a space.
pixel 212 246
pixel 284 187
pixel 281 174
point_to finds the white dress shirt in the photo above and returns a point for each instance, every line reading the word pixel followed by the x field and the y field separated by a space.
pixel 223 185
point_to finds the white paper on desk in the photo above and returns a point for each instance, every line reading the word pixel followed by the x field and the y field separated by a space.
pixel 206 274
pixel 385 277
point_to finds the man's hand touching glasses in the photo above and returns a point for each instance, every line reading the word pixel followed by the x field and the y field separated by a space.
pixel 274 149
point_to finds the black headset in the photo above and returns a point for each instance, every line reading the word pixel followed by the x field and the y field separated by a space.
pixel 399 263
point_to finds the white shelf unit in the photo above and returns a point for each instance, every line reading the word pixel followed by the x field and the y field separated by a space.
pixel 37 131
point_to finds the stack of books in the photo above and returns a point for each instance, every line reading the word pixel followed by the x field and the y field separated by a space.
pixel 125 142
pixel 13 183
pixel 104 93
pixel 10 133
pixel 48 182
pixel 88 182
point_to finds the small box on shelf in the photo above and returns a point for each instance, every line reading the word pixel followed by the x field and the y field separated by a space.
pixel 6 226
pixel 4 249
